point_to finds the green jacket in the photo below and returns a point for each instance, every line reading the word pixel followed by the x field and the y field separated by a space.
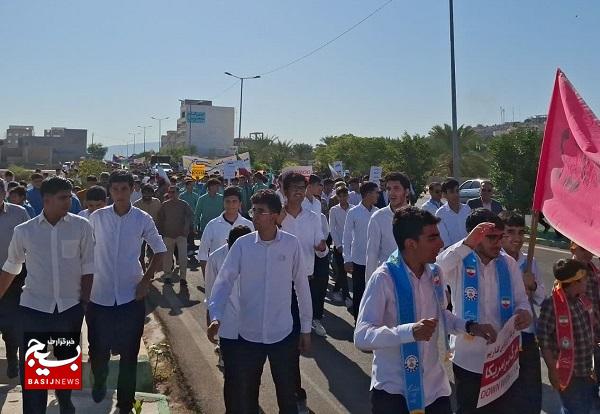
pixel 207 209
pixel 190 198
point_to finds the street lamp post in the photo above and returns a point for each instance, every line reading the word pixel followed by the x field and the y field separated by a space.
pixel 144 128
pixel 455 143
pixel 134 134
pixel 241 78
pixel 159 125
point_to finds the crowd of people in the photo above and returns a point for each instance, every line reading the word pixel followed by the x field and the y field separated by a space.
pixel 411 277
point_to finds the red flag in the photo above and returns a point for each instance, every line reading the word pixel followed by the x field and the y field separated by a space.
pixel 567 188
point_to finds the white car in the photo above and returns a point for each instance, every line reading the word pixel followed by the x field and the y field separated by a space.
pixel 165 166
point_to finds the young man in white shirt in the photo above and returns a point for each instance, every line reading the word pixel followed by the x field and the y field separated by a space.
pixel 337 219
pixel 266 265
pixel 58 249
pixel 217 230
pixel 306 226
pixel 453 214
pixel 116 312
pixel 354 191
pixel 487 287
pixel 407 336
pixel 355 242
pixel 435 198
pixel 312 201
pixel 380 240
pixel 528 387
pixel 95 198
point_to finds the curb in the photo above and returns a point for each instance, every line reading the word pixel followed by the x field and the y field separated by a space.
pixel 559 244
pixel 161 401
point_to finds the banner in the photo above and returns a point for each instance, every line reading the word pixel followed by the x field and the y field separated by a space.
pixel 305 170
pixel 568 178
pixel 197 171
pixel 188 160
pixel 375 174
pixel 501 366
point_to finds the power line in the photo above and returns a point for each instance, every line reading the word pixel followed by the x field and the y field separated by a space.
pixel 312 52
pixel 224 90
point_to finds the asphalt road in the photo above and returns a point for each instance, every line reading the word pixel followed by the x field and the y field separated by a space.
pixel 336 375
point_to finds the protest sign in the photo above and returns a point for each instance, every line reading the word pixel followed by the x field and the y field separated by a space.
pixel 305 170
pixel 375 174
pixel 229 169
pixel 197 171
pixel 501 366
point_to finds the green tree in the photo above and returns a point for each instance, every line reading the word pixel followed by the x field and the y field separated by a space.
pixel 97 151
pixel 411 155
pixel 513 169
pixel 90 167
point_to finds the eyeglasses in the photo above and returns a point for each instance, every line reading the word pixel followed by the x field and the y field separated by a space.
pixel 495 238
pixel 254 212
pixel 297 187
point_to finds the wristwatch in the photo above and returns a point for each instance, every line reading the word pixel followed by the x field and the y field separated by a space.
pixel 468 325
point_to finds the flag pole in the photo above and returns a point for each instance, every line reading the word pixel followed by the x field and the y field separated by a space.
pixel 535 217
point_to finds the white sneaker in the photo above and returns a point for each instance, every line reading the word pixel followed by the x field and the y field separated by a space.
pixel 337 296
pixel 317 326
pixel 348 302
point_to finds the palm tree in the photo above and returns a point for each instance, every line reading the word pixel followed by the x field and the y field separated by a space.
pixel 441 144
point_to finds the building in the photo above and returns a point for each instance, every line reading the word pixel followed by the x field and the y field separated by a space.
pixel 58 145
pixel 172 139
pixel 209 129
pixel 490 131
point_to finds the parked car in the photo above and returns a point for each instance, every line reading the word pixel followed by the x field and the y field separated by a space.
pixel 165 166
pixel 469 189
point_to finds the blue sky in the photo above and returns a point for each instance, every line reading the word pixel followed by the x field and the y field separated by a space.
pixel 108 66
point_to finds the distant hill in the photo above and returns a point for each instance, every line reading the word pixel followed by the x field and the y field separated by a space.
pixel 122 149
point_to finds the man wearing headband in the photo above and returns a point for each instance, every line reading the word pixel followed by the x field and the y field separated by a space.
pixel 565 333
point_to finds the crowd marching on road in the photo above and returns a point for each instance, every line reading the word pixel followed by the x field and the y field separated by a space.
pixel 422 284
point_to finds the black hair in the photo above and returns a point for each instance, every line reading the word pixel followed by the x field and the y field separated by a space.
pixel 19 190
pixel 483 215
pixel 434 184
pixel 91 178
pixel 237 232
pixel 292 178
pixel 354 180
pixel 53 185
pixel 120 176
pixel 449 184
pixel 512 218
pixel 367 188
pixel 233 190
pixel 13 184
pixel 268 198
pixel 408 223
pixel 314 179
pixel 213 181
pixel 96 193
pixel 342 189
pixel 327 181
pixel 147 188
pixel 565 269
pixel 36 176
pixel 9 172
pixel 398 176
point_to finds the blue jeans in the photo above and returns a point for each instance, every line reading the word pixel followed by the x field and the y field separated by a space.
pixel 577 397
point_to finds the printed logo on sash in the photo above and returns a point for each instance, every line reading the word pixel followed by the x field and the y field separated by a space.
pixel 505 302
pixel 565 343
pixel 471 293
pixel 411 363
pixel 563 319
pixel 471 271
pixel 436 280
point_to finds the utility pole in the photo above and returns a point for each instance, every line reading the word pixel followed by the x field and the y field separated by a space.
pixel 455 143
pixel 144 128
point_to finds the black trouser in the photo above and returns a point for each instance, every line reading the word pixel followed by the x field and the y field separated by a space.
pixel 118 328
pixel 32 321
pixel 527 389
pixel 244 362
pixel 358 287
pixel 341 278
pixel 386 403
pixel 10 327
pixel 318 285
pixel 467 393
pixel 295 367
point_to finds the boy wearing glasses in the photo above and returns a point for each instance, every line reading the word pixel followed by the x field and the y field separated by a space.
pixel 528 387
pixel 485 199
pixel 487 288
pixel 435 201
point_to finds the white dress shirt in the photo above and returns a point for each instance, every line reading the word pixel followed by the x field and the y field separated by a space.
pixel 452 226
pixel 354 238
pixel 470 351
pixel 354 197
pixel 216 232
pixel 324 226
pixel 540 293
pixel 315 205
pixel 56 258
pixel 307 227
pixel 265 272
pixel 431 206
pixel 85 213
pixel 380 239
pixel 118 243
pixel 337 218
pixel 377 329
pixel 135 196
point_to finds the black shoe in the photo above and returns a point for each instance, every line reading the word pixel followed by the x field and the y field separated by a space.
pixel 66 407
pixel 168 281
pixel 98 392
pixel 12 370
pixel 183 282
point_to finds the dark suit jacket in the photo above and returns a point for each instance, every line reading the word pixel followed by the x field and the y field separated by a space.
pixel 477 203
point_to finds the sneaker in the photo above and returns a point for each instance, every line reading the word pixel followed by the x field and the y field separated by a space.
pixel 317 326
pixel 337 296
pixel 348 302
pixel 302 407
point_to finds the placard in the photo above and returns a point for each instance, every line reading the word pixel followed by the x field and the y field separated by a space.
pixel 375 174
